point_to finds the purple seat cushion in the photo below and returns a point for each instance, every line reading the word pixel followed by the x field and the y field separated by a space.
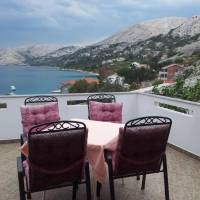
pixel 111 112
pixel 38 114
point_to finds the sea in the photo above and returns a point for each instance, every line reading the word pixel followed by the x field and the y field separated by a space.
pixel 35 79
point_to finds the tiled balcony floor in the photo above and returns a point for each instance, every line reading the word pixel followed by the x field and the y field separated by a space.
pixel 184 180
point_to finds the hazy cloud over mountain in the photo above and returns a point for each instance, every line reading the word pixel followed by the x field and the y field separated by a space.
pixel 80 22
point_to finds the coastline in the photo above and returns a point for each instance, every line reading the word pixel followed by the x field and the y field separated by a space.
pixel 79 70
pixel 61 69
pixel 10 75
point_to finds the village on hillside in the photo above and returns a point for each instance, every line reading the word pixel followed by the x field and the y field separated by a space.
pixel 167 74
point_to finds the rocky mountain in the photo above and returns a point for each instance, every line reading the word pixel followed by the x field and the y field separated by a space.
pixel 38 50
pixel 53 57
pixel 190 27
pixel 156 42
pixel 62 51
pixel 145 30
pixel 35 54
pixel 11 57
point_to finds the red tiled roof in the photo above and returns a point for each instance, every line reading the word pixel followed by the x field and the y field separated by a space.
pixel 173 65
pixel 91 80
pixel 71 82
pixel 88 80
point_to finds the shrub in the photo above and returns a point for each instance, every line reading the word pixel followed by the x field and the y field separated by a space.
pixel 179 90
pixel 157 82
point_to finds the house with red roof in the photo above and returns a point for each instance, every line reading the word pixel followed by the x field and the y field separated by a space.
pixel 169 72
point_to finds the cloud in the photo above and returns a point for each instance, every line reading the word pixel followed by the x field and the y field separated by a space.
pixel 81 9
pixel 161 4
pixel 82 20
pixel 53 10
pixel 49 13
pixel 53 13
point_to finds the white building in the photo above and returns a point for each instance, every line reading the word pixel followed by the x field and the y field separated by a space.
pixel 136 65
pixel 115 79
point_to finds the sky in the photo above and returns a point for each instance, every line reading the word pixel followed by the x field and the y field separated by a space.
pixel 80 22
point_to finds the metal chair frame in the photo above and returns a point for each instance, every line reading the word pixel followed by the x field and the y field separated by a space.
pixel 101 97
pixel 37 100
pixel 40 99
pixel 143 121
pixel 52 127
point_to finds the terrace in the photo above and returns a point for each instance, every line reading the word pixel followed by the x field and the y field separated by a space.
pixel 183 151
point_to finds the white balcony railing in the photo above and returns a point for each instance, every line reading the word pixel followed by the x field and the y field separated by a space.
pixel 185 129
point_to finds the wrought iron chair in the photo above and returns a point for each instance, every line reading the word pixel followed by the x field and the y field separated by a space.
pixel 29 115
pixel 140 151
pixel 57 152
pixel 103 98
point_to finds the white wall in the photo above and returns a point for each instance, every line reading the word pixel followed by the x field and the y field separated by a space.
pixel 185 132
pixel 10 118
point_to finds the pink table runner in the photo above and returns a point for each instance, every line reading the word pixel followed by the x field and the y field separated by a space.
pixel 101 135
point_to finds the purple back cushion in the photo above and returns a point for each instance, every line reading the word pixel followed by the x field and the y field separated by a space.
pixel 111 112
pixel 38 114
pixel 140 148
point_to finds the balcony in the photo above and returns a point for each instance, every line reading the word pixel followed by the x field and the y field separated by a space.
pixel 183 151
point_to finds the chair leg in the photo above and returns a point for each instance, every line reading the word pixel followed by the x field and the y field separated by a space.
pixel 28 195
pixel 98 189
pixel 21 187
pixel 74 190
pixel 138 177
pixel 21 179
pixel 111 180
pixel 143 181
pixel 88 185
pixel 44 195
pixel 165 178
pixel 123 181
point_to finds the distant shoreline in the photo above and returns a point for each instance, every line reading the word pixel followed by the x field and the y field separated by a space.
pixel 79 70
pixel 61 69
pixel 39 79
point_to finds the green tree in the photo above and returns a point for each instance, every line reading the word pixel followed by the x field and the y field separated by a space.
pixel 82 86
pixel 157 82
pixel 79 87
pixel 107 87
pixel 134 86
pixel 179 90
pixel 136 75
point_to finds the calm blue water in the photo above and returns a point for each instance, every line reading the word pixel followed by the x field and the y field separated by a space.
pixel 34 80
